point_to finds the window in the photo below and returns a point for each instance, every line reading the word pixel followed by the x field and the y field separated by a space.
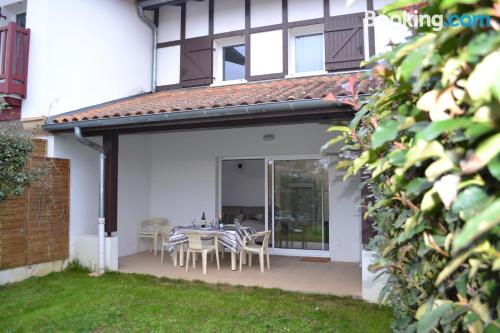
pixel 234 62
pixel 309 53
pixel 229 60
pixel 21 20
pixel 307 50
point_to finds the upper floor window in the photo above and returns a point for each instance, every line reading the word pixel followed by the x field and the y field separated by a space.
pixel 234 62
pixel 307 50
pixel 229 60
pixel 309 53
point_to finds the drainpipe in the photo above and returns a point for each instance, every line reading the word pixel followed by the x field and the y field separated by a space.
pixel 151 24
pixel 100 219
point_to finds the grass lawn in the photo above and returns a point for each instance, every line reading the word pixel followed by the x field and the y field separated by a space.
pixel 72 301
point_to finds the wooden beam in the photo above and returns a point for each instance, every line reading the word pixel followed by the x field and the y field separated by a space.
pixel 110 144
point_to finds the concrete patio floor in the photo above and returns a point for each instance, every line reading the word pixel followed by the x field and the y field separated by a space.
pixel 289 273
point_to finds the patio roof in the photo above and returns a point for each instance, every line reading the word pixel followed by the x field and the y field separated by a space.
pixel 298 98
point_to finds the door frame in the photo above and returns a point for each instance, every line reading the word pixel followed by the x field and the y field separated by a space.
pixel 267 160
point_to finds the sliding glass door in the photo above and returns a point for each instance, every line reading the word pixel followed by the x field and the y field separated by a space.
pixel 299 209
pixel 287 195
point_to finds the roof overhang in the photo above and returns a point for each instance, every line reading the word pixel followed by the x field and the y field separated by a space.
pixel 312 110
pixel 151 4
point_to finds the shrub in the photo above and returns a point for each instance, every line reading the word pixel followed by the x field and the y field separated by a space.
pixel 15 151
pixel 430 142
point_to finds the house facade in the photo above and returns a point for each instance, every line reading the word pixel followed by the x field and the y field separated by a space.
pixel 217 106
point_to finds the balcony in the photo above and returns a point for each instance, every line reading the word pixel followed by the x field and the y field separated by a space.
pixel 14 50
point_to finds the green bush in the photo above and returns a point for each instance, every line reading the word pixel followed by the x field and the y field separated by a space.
pixel 15 151
pixel 430 142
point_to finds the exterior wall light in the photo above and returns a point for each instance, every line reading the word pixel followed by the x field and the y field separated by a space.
pixel 268 138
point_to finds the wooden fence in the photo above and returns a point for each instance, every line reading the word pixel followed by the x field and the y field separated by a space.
pixel 34 227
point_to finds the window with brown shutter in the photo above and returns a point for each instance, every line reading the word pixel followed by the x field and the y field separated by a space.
pixel 344 42
pixel 196 68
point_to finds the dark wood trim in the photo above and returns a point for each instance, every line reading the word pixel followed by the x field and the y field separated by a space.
pixel 183 37
pixel 247 41
pixel 284 23
pixel 168 87
pixel 229 34
pixel 306 22
pixel 156 17
pixel 326 8
pixel 264 77
pixel 211 9
pixel 266 28
pixel 169 44
pixel 183 21
pixel 371 32
pixel 110 144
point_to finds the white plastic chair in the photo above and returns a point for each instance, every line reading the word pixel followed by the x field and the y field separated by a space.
pixel 250 247
pixel 149 229
pixel 165 232
pixel 195 245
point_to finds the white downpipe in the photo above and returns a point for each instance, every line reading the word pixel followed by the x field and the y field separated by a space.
pixel 101 245
pixel 154 31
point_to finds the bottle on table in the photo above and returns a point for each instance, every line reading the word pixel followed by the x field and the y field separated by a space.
pixel 203 220
pixel 221 223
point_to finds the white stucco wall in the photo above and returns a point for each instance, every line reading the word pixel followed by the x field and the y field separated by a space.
pixel 342 7
pixel 133 189
pixel 83 53
pixel 265 12
pixel 169 65
pixel 266 52
pixel 196 19
pixel 229 15
pixel 304 10
pixel 84 185
pixel 169 24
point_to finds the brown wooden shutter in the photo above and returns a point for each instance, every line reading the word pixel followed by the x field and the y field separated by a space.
pixel 344 42
pixel 196 68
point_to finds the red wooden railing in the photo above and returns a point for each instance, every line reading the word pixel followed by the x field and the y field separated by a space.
pixel 14 52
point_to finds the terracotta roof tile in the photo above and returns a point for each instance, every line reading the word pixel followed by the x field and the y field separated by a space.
pixel 186 99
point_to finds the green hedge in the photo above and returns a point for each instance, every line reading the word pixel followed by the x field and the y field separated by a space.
pixel 430 142
pixel 15 152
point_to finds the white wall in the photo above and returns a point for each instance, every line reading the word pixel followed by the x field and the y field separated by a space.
pixel 341 7
pixel 304 10
pixel 266 52
pixel 265 12
pixel 243 186
pixel 229 15
pixel 169 65
pixel 83 53
pixel 133 189
pixel 84 185
pixel 345 216
pixel 169 24
pixel 196 19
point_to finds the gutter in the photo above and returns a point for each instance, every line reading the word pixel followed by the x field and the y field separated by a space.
pixel 100 219
pixel 254 109
pixel 154 30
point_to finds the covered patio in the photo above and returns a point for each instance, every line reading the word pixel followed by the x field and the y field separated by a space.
pixel 249 153
pixel 290 273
